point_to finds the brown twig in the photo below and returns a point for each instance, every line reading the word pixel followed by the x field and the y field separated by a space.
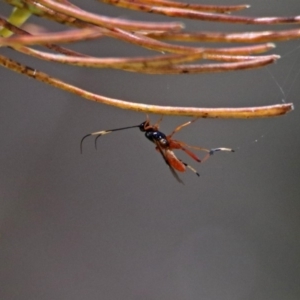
pixel 193 14
pixel 151 35
pixel 244 113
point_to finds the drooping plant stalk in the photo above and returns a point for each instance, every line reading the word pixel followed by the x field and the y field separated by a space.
pixel 155 36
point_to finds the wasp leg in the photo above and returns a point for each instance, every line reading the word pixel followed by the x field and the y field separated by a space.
pixel 174 144
pixel 181 126
pixel 212 151
pixel 191 168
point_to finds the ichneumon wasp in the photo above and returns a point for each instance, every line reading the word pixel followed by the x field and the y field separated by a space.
pixel 165 145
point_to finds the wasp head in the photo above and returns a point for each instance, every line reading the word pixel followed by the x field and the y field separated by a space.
pixel 143 126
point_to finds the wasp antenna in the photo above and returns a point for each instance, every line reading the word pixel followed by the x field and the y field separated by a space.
pixel 82 141
pixel 103 132
pixel 90 134
pixel 96 138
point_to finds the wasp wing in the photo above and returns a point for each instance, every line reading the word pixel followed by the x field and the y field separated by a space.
pixel 161 150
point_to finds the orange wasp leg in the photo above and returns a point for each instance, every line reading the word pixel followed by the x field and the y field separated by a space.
pixel 156 125
pixel 178 164
pixel 181 126
pixel 174 144
pixel 180 145
pixel 210 152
